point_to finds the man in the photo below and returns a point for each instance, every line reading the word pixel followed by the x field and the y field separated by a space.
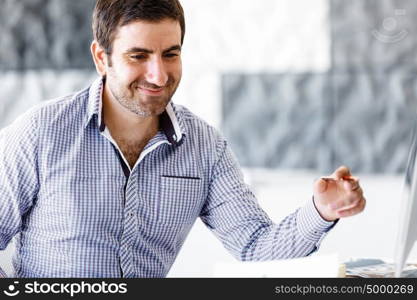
pixel 109 181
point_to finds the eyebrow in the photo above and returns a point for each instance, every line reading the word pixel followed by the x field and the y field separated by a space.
pixel 147 51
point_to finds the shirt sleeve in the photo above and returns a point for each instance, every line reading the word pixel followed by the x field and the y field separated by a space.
pixel 2 273
pixel 18 174
pixel 232 213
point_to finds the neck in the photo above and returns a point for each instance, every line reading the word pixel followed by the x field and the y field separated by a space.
pixel 124 123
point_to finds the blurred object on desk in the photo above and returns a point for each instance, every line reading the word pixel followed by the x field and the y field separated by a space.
pixel 377 268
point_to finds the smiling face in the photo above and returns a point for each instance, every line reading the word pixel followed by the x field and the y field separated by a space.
pixel 144 69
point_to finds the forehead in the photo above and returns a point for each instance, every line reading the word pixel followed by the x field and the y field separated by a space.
pixel 150 35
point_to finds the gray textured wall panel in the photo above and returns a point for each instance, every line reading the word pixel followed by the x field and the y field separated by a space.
pixel 360 119
pixel 374 116
pixel 38 34
pixel 373 33
pixel 277 120
pixel 360 114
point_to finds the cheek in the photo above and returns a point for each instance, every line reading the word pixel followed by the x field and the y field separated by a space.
pixel 125 73
pixel 180 72
pixel 131 73
pixel 176 71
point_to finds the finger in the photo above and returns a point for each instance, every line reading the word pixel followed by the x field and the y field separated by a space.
pixel 355 194
pixel 347 205
pixel 350 177
pixel 350 212
pixel 320 185
pixel 354 210
pixel 341 172
pixel 349 200
pixel 351 184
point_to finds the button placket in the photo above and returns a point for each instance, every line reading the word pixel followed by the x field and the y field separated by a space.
pixel 130 226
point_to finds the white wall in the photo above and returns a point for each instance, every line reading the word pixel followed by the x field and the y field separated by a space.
pixel 248 36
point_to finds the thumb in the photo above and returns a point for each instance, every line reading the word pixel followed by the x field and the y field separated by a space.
pixel 341 172
pixel 320 186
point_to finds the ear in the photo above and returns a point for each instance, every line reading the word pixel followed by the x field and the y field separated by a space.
pixel 99 57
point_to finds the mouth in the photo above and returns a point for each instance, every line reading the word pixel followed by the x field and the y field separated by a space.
pixel 151 92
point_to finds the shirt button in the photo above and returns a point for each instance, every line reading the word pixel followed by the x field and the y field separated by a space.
pixel 130 214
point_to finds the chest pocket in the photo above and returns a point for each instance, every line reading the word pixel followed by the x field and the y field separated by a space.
pixel 180 199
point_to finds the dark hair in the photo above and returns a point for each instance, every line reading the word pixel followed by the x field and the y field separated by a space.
pixel 110 14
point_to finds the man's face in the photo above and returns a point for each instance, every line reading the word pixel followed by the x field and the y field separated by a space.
pixel 145 67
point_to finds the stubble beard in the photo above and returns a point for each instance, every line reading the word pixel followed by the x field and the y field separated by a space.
pixel 131 101
pixel 133 106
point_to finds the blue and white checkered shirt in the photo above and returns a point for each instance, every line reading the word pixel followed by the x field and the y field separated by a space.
pixel 76 209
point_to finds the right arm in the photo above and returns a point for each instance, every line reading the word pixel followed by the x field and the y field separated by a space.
pixel 19 182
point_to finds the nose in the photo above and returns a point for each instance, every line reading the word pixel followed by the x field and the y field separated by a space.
pixel 156 73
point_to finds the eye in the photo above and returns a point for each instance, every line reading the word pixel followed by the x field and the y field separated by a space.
pixel 137 57
pixel 171 55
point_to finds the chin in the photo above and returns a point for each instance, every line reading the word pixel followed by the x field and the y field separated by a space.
pixel 154 108
pixel 151 112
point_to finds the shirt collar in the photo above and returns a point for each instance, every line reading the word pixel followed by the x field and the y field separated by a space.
pixel 170 121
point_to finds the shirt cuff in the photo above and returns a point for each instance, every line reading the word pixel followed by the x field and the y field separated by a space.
pixel 310 224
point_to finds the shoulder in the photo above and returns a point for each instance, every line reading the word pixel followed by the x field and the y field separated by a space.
pixel 70 107
pixel 48 112
pixel 200 135
pixel 195 126
pixel 55 113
